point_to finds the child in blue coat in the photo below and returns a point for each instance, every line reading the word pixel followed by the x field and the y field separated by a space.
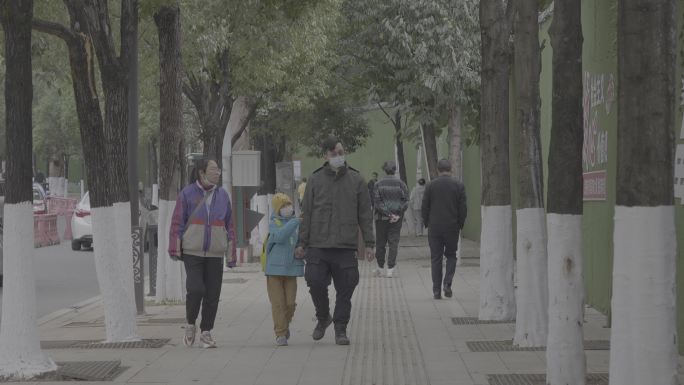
pixel 282 268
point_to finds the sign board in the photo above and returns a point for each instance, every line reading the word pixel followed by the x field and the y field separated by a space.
pixel 598 101
pixel 246 168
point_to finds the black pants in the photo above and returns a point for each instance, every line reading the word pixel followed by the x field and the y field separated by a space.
pixel 342 266
pixel 443 243
pixel 203 284
pixel 387 233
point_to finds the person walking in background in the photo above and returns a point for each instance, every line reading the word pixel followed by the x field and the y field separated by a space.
pixel 199 236
pixel 300 191
pixel 416 204
pixel 371 187
pixel 391 200
pixel 444 213
pixel 282 268
pixel 336 204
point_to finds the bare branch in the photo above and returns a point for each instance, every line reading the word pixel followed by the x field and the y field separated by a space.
pixel 52 28
pixel 386 114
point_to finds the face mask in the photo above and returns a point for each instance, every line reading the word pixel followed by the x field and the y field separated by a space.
pixel 205 181
pixel 286 211
pixel 337 161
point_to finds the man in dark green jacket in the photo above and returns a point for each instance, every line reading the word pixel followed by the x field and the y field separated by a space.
pixel 336 205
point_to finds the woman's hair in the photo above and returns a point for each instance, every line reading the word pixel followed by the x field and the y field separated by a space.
pixel 200 165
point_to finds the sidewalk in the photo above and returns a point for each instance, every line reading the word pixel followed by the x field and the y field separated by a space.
pixel 399 334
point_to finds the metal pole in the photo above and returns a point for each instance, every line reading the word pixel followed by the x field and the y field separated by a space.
pixel 139 281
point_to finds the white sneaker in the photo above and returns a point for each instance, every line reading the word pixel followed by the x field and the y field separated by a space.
pixel 390 272
pixel 189 338
pixel 377 271
pixel 225 269
pixel 207 340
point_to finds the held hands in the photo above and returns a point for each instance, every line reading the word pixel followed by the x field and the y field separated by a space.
pixel 300 252
pixel 370 254
pixel 394 218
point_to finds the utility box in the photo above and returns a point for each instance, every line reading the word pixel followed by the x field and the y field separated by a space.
pixel 246 168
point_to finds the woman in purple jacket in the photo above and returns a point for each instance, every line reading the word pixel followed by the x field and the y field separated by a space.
pixel 199 236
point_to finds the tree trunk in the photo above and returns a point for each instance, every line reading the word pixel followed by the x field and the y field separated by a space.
pixel 213 100
pixel 242 111
pixel 399 143
pixel 56 176
pixel 497 299
pixel 20 354
pixel 104 148
pixel 213 143
pixel 566 362
pixel 264 143
pixel 66 175
pixel 455 125
pixel 112 221
pixel 430 143
pixel 455 134
pixel 167 19
pixel 532 295
pixel 644 333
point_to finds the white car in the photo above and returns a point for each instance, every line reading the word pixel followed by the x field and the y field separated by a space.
pixel 81 225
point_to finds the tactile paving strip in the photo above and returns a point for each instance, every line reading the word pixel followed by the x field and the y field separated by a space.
pixel 539 379
pixel 507 346
pixel 93 344
pixel 476 321
pixel 385 348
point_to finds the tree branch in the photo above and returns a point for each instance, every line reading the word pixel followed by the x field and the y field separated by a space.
pixel 54 29
pixel 244 123
pixel 97 15
pixel 386 114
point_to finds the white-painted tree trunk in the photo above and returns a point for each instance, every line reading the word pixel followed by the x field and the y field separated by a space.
pixel 162 251
pixel 169 272
pixel 114 265
pixel 65 192
pixel 419 162
pixel 531 297
pixel 53 185
pixel 497 298
pixel 644 335
pixel 565 359
pixel 20 353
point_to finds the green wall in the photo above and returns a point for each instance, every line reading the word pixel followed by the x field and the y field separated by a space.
pixel 599 19
pixel 378 149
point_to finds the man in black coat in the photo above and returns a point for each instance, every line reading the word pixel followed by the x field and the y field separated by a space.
pixel 336 205
pixel 444 213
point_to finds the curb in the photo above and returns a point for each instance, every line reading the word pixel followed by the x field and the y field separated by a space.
pixel 71 309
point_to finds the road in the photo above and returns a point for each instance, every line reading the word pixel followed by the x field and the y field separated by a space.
pixel 63 277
